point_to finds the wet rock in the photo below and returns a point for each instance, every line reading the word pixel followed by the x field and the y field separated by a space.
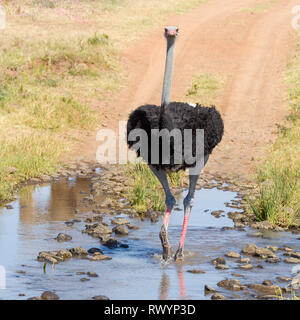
pixel 9 207
pixel 97 229
pixel 217 213
pixel 292 254
pixel 222 266
pixel 100 298
pixel 227 228
pixel 261 288
pixel 273 260
pixel 232 254
pixel 283 279
pixel 35 298
pixel 209 290
pixel 49 295
pixel 78 252
pixel 124 245
pixel 217 296
pixel 92 274
pixel 54 256
pixel 131 226
pixel 236 275
pixel 111 243
pixel 254 250
pixel 93 219
pixel 219 260
pixel 61 237
pixel 64 253
pixel 291 260
pixel 273 248
pixel 99 257
pixel 197 271
pixel 121 230
pixel 21 271
pixel 79 273
pixel 84 279
pixel 246 266
pixel 259 266
pixel 93 250
pixel 120 221
pixel 69 223
pixel 267 283
pixel 230 284
pixel 244 260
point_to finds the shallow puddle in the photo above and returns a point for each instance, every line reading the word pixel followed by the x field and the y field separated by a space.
pixel 137 272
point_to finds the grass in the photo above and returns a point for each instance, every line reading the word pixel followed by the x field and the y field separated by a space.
pixel 278 177
pixel 146 192
pixel 204 88
pixel 59 59
pixel 260 7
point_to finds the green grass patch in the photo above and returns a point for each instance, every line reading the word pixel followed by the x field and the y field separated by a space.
pixel 205 88
pixel 146 192
pixel 278 177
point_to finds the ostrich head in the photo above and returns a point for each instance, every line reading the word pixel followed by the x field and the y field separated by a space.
pixel 171 33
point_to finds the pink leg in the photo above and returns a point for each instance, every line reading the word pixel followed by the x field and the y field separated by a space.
pixel 164 235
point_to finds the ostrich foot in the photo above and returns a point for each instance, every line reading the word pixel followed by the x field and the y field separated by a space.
pixel 179 255
pixel 163 235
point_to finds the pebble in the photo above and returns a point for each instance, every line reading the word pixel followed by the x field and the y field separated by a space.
pixel 121 230
pixel 246 266
pixel 78 251
pixel 232 254
pixel 84 279
pixel 63 237
pixel 120 221
pixel 198 271
pixel 217 296
pixel 222 266
pixel 219 260
pixel 49 295
pixel 291 260
pixel 230 284
pixel 208 289
pixel 100 298
pixel 283 279
pixel 92 274
pixel 93 250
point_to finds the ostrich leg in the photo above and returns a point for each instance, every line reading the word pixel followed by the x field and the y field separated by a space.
pixel 170 202
pixel 188 203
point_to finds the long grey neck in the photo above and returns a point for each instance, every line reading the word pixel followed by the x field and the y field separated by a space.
pixel 168 72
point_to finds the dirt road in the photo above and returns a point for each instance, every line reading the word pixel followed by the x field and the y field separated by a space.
pixel 249 48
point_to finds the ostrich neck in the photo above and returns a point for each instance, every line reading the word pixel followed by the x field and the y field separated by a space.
pixel 168 72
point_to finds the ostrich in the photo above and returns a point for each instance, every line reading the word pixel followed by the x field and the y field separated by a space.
pixel 175 115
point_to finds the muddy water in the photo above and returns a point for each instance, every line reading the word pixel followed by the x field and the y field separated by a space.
pixel 40 212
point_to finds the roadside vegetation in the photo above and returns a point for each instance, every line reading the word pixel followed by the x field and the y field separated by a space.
pixel 279 175
pixel 59 60
pixel 205 88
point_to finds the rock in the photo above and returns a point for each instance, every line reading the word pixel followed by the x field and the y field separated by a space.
pixel 244 260
pixel 111 243
pixel 131 226
pixel 92 274
pixel 261 288
pixel 93 250
pixel 93 219
pixel 217 296
pixel 35 298
pixel 283 279
pixel 63 237
pixel 64 253
pixel 120 221
pixel 99 257
pixel 273 260
pixel 267 283
pixel 236 275
pixel 69 223
pixel 208 289
pixel 124 245
pixel 232 254
pixel 100 298
pixel 49 295
pixel 78 251
pixel 292 254
pixel 9 207
pixel 84 279
pixel 230 284
pixel 120 229
pixel 254 250
pixel 221 266
pixel 246 266
pixel 291 260
pixel 273 248
pixel 54 256
pixel 198 271
pixel 219 260
pixel 97 229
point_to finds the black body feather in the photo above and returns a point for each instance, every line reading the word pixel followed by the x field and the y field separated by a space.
pixel 181 116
